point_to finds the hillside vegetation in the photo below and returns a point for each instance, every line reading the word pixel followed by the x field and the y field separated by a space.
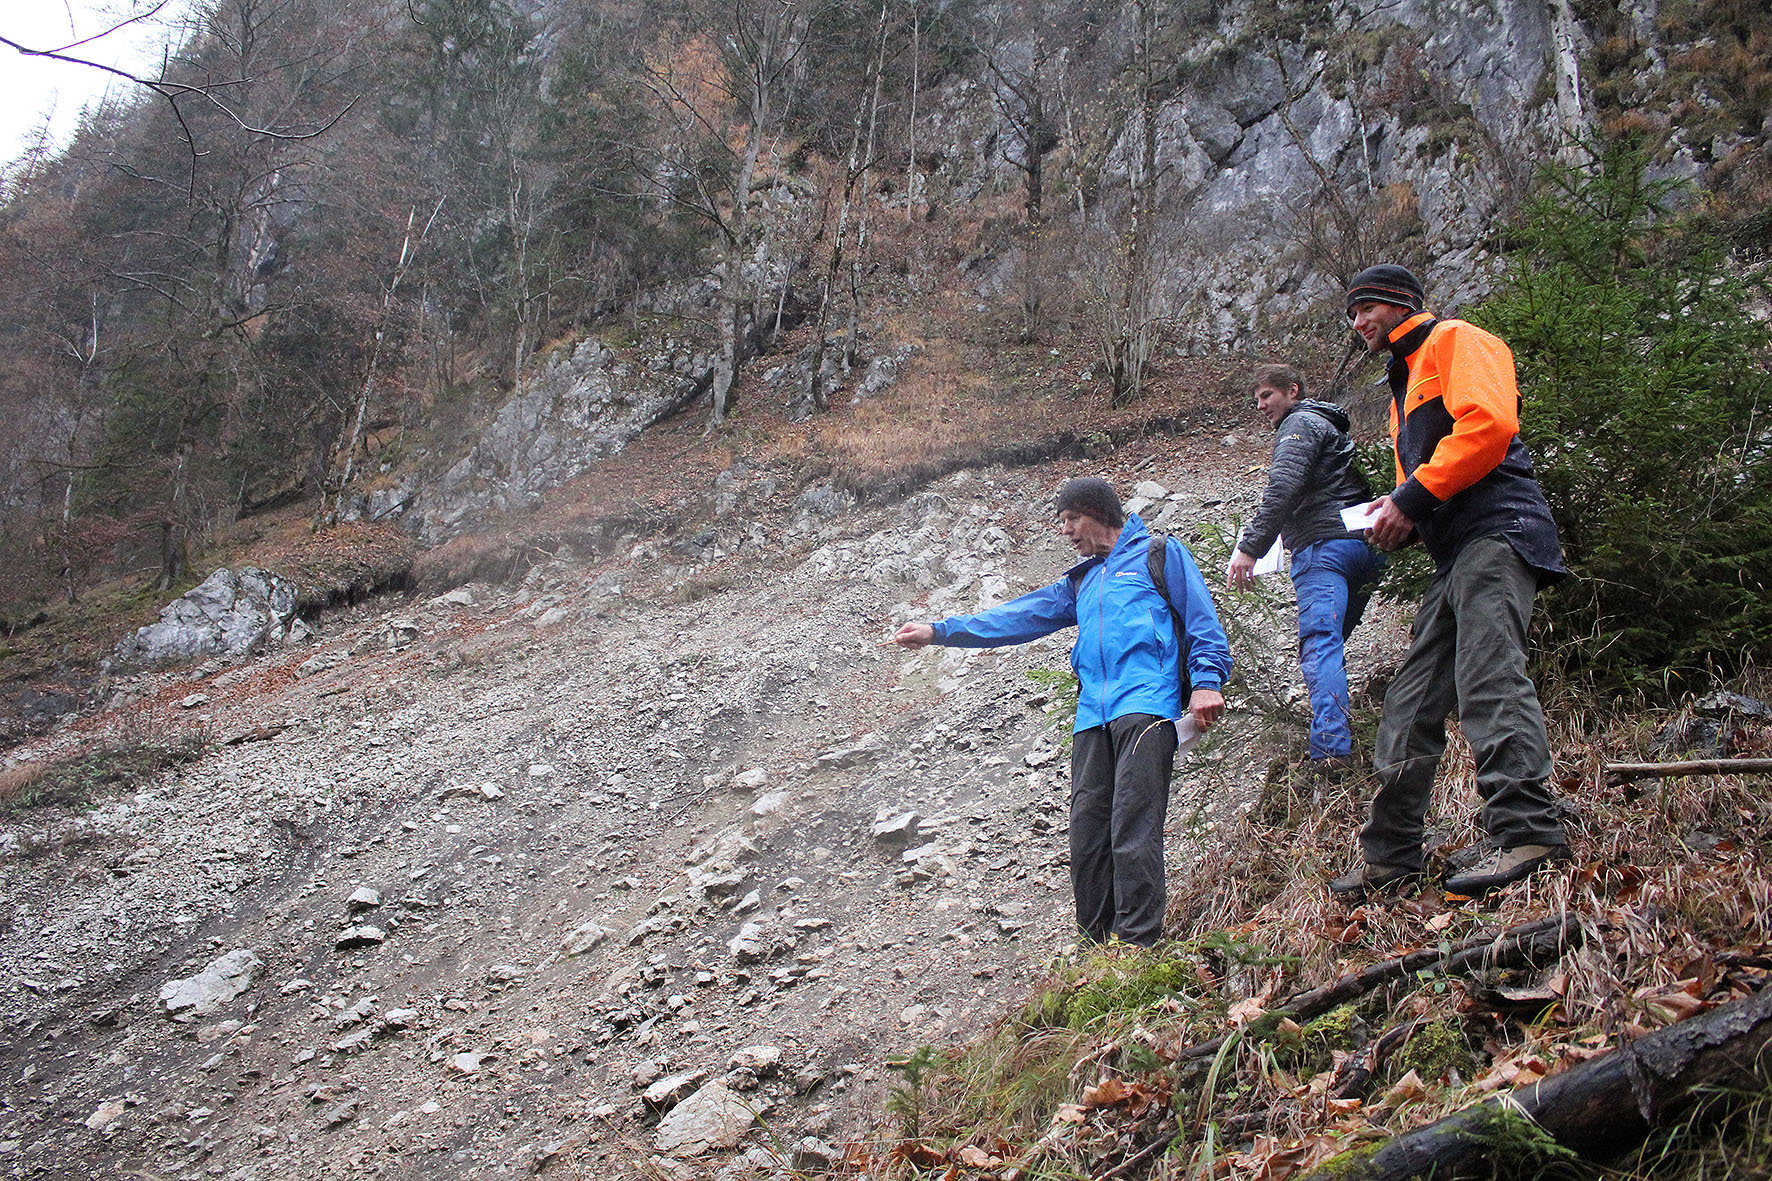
pixel 610 378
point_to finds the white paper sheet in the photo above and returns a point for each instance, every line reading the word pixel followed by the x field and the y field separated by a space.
pixel 1268 563
pixel 1187 732
pixel 1360 516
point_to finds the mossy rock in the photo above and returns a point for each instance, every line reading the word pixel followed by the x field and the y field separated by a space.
pixel 1312 1049
pixel 1436 1050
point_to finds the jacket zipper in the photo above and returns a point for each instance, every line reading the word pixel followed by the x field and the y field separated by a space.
pixel 1101 636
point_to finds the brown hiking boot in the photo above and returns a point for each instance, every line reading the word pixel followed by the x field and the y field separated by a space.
pixel 1504 867
pixel 1330 778
pixel 1368 879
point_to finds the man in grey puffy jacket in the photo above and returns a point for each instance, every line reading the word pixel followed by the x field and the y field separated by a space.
pixel 1311 480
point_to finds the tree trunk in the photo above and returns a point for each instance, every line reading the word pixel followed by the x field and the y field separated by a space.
pixel 1130 347
pixel 1599 1109
pixel 1622 772
pixel 910 176
pixel 350 444
pixel 732 301
pixel 861 231
pixel 172 533
pixel 819 397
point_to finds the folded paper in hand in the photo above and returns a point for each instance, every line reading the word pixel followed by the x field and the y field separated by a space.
pixel 1360 516
pixel 1187 732
pixel 1266 564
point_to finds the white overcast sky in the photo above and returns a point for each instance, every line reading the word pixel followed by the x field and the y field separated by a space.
pixel 32 87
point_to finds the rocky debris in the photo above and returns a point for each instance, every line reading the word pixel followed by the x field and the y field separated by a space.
pixel 667 1092
pixel 363 898
pixel 658 729
pixel 341 1113
pixel 584 937
pixel 896 829
pixel 360 936
pixel 356 1014
pixel 812 1154
pixel 229 614
pixel 756 941
pixel 398 632
pixel 198 996
pixel 106 1115
pixel 716 886
pixel 867 750
pixel 762 1061
pixel 754 779
pixel 356 1040
pixel 1145 495
pixel 714 1117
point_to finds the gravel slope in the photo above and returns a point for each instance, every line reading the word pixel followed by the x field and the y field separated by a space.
pixel 610 827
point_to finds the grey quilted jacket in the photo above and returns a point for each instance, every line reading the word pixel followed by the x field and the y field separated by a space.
pixel 1311 480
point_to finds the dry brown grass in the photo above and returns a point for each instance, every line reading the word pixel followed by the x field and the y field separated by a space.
pixel 16 782
pixel 1667 878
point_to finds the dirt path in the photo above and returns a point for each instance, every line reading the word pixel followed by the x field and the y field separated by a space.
pixel 610 827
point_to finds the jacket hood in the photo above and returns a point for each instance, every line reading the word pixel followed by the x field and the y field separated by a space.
pixel 1329 410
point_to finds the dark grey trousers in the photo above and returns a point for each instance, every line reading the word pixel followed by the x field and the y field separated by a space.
pixel 1119 797
pixel 1470 652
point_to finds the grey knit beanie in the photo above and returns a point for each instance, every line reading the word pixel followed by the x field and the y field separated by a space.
pixel 1096 497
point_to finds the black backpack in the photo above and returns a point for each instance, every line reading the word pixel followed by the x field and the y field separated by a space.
pixel 1154 567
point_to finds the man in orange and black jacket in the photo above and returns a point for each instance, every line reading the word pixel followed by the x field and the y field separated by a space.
pixel 1466 490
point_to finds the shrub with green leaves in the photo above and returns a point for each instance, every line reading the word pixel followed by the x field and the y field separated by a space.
pixel 1648 409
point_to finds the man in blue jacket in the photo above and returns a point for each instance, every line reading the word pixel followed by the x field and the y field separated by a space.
pixel 1130 692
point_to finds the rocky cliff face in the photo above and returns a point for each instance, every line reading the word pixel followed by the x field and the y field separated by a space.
pixel 1292 146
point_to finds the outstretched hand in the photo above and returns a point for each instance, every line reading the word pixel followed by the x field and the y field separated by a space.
pixel 914 636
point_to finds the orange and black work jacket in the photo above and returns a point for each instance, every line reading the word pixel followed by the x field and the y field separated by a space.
pixel 1462 471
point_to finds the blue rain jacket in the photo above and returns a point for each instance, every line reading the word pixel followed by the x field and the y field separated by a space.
pixel 1124 657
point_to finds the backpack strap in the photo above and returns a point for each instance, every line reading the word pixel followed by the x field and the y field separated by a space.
pixel 1155 564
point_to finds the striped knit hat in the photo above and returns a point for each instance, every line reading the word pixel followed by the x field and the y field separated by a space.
pixel 1385 283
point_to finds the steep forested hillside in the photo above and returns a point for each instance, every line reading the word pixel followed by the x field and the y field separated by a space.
pixel 333 236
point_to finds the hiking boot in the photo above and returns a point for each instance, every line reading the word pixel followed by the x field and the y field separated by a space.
pixel 1368 879
pixel 1329 777
pixel 1504 867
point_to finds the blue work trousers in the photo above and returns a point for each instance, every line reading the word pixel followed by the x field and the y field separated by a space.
pixel 1333 580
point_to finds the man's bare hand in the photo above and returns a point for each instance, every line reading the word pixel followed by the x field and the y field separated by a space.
pixel 914 636
pixel 1206 705
pixel 1239 578
pixel 1391 530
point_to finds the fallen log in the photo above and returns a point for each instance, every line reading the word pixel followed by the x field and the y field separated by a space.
pixel 1529 943
pixel 1623 772
pixel 1599 1109
pixel 1355 1074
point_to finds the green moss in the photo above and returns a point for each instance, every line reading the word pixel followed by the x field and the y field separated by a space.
pixel 1312 1050
pixel 1341 1164
pixel 1435 1051
pixel 1103 986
